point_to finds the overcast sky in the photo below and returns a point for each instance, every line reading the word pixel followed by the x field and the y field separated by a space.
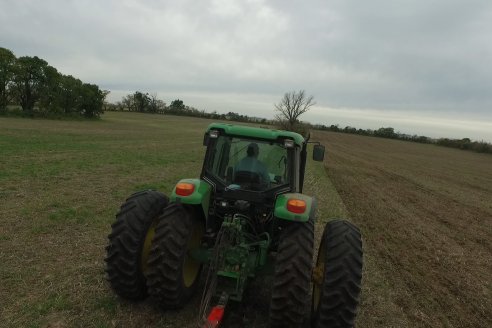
pixel 421 66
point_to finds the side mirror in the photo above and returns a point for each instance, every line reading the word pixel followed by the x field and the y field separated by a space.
pixel 212 134
pixel 319 153
pixel 205 139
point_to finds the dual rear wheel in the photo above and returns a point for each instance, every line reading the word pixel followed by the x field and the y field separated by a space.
pixel 172 275
pixel 129 243
pixel 336 277
pixel 148 250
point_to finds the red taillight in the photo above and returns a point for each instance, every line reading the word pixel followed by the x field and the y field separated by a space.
pixel 185 188
pixel 296 206
pixel 215 317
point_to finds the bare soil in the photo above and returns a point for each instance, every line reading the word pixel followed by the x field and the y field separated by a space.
pixel 426 216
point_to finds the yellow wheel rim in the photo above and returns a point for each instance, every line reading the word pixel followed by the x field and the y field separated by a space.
pixel 147 244
pixel 318 276
pixel 191 267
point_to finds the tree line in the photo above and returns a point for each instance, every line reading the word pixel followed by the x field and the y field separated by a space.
pixel 145 102
pixel 390 133
pixel 289 109
pixel 295 103
pixel 40 90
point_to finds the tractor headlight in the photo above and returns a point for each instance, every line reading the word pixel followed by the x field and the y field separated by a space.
pixel 214 134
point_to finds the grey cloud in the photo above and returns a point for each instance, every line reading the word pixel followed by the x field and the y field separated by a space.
pixel 383 55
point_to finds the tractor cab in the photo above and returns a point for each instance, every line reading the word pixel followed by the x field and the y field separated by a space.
pixel 250 159
pixel 255 172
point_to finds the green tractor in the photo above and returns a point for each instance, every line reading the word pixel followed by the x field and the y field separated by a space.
pixel 245 215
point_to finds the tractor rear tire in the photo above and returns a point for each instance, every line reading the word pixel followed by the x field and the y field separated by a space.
pixel 289 303
pixel 127 250
pixel 337 276
pixel 173 276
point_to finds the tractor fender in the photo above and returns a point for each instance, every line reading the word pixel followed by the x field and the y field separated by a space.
pixel 283 213
pixel 199 197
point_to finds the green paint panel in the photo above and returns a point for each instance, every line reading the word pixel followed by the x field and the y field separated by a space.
pixel 201 195
pixel 229 274
pixel 281 211
pixel 252 132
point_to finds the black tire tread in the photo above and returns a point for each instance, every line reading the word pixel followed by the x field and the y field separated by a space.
pixel 292 278
pixel 128 232
pixel 165 265
pixel 341 285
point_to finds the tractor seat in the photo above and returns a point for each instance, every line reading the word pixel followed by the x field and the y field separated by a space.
pixel 247 177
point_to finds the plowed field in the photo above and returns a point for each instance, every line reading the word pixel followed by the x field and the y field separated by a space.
pixel 426 216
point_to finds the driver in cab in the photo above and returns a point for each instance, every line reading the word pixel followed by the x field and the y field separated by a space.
pixel 250 163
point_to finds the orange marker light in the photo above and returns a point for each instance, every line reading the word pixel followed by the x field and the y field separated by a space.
pixel 296 206
pixel 185 188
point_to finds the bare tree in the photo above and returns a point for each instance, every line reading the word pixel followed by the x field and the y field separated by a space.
pixel 156 105
pixel 293 105
pixel 128 103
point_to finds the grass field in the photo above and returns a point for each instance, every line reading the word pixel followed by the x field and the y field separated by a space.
pixel 61 183
pixel 425 213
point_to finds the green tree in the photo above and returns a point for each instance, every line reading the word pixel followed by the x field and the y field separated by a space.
pixel 176 106
pixel 141 101
pixel 69 93
pixel 349 129
pixel 50 90
pixel 91 101
pixel 29 81
pixel 7 62
pixel 386 133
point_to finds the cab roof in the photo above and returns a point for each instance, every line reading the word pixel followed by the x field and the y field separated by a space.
pixel 252 132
